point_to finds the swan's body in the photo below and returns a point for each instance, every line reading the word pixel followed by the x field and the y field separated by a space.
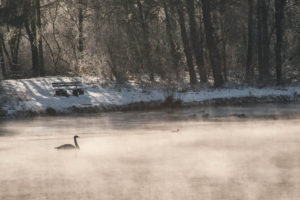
pixel 69 146
pixel 66 146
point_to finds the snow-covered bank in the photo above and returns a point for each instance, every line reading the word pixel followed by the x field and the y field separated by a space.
pixel 36 96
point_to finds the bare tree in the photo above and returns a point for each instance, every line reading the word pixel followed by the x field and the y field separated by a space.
pixel 279 16
pixel 147 46
pixel 263 42
pixel 39 37
pixel 214 53
pixel 195 40
pixel 170 38
pixel 80 25
pixel 2 63
pixel 249 67
pixel 186 44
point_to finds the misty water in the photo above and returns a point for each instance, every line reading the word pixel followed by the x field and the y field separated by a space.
pixel 232 152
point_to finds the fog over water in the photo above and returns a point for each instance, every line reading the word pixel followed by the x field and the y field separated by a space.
pixel 209 153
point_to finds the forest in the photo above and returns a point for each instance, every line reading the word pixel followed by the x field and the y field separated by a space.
pixel 254 42
pixel 150 99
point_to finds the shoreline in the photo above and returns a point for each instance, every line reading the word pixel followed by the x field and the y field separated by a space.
pixel 150 106
pixel 35 97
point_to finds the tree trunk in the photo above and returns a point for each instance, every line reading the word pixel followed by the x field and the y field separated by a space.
pixel 214 53
pixel 224 58
pixel 259 42
pixel 15 56
pixel 186 45
pixel 4 50
pixel 170 39
pixel 30 24
pixel 249 67
pixel 279 16
pixel 201 45
pixel 265 42
pixel 31 32
pixel 80 26
pixel 133 44
pixel 2 64
pixel 147 46
pixel 13 42
pixel 34 59
pixel 40 39
pixel 195 40
pixel 220 19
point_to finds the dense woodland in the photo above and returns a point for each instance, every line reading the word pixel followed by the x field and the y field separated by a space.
pixel 254 42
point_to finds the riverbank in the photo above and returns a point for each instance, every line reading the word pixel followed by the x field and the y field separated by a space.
pixel 31 97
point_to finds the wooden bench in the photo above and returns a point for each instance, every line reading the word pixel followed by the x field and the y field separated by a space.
pixel 61 88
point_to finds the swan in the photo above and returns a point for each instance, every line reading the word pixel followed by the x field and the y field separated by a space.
pixel 69 146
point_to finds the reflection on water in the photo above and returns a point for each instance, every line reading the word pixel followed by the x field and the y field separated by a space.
pixel 105 122
pixel 217 153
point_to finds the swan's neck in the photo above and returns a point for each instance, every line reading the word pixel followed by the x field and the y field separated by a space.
pixel 76 144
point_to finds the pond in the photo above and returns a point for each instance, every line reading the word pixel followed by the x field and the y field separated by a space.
pixel 232 152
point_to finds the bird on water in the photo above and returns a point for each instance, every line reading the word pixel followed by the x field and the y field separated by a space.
pixel 69 146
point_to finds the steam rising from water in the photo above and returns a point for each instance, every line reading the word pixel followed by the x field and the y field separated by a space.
pixel 204 160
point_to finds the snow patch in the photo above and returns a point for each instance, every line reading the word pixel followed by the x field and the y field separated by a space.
pixel 37 94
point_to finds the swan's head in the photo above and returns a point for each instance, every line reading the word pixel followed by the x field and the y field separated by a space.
pixel 76 136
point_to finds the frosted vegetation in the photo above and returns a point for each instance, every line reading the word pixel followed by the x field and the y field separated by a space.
pixel 235 41
pixel 38 96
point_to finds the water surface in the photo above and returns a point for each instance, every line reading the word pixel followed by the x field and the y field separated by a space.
pixel 250 152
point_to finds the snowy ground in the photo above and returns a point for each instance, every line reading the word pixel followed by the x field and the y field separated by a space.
pixel 38 94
